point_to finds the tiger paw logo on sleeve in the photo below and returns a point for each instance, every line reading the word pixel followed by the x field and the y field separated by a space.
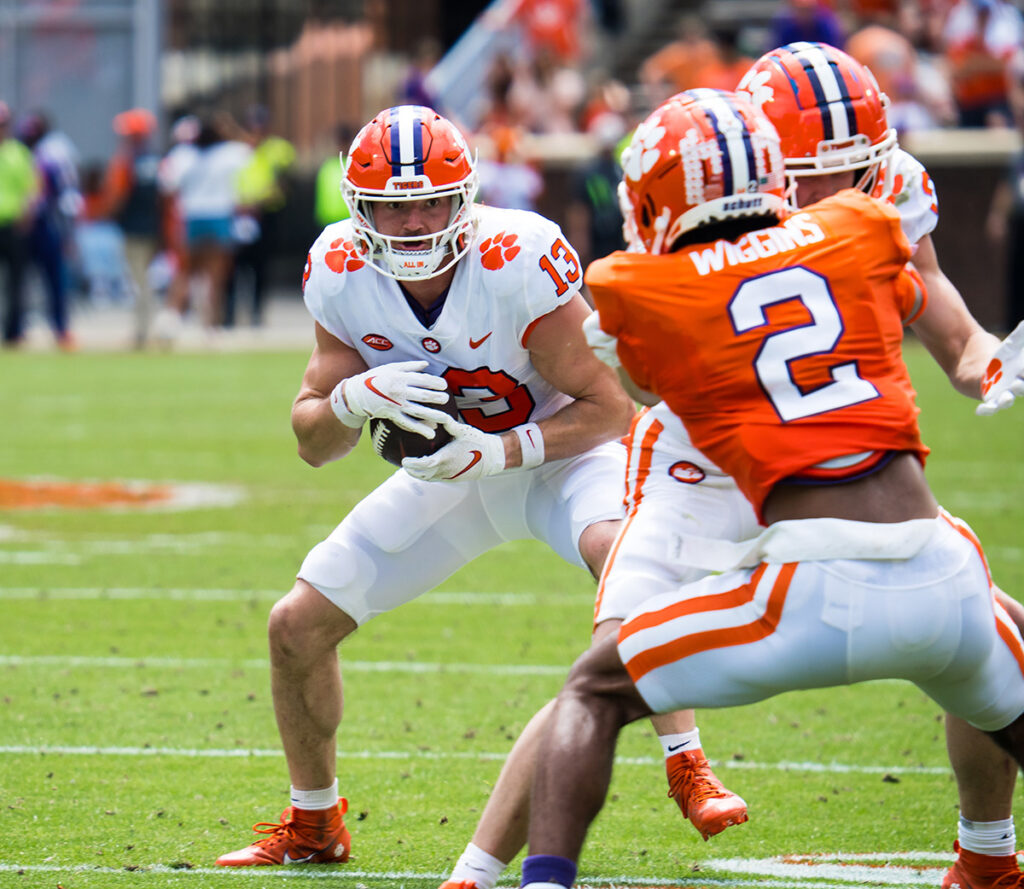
pixel 497 250
pixel 343 257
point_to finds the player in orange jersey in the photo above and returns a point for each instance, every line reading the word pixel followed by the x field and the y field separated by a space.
pixel 779 347
pixel 832 122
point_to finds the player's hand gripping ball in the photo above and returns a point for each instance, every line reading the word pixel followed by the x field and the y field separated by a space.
pixel 392 442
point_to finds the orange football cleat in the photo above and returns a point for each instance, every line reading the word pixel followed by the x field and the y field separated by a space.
pixel 701 796
pixel 460 884
pixel 971 870
pixel 302 836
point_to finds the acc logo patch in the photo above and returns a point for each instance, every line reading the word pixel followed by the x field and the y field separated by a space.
pixel 343 257
pixel 430 344
pixel 378 341
pixel 686 472
pixel 498 250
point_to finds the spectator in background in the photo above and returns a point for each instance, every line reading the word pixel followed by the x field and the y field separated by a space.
pixel 132 200
pixel 731 63
pixel 606 94
pixel 204 178
pixel 99 241
pixel 414 89
pixel 546 96
pixel 1005 224
pixel 51 241
pixel 979 38
pixel 554 27
pixel 919 95
pixel 594 223
pixel 507 179
pixel 810 20
pixel 262 194
pixel 328 204
pixel 184 132
pixel 19 187
pixel 681 64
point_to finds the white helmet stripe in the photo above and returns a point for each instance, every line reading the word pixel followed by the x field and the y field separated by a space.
pixel 832 90
pixel 409 140
pixel 737 142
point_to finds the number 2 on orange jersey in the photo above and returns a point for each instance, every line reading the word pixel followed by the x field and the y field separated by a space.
pixel 746 309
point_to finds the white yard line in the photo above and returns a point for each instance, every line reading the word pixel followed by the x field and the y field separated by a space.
pixel 894 878
pixel 180 594
pixel 241 753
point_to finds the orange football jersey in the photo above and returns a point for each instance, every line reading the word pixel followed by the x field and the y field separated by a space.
pixel 780 350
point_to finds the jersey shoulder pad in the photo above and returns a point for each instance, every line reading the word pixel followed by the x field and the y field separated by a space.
pixel 331 261
pixel 505 236
pixel 527 252
pixel 913 195
pixel 868 225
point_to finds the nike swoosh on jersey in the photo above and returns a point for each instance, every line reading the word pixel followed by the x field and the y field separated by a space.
pixel 672 748
pixel 376 391
pixel 289 860
pixel 476 344
pixel 477 456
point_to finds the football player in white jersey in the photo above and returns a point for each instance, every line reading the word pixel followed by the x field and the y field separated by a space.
pixel 677 499
pixel 419 292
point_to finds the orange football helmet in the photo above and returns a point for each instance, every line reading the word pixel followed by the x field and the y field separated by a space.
pixel 828 109
pixel 410 153
pixel 702 156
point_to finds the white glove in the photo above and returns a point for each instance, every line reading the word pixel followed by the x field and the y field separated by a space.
pixel 1004 377
pixel 398 392
pixel 604 345
pixel 471 454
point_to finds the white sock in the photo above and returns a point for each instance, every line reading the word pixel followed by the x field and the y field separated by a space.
pixel 677 743
pixel 987 837
pixel 314 800
pixel 476 864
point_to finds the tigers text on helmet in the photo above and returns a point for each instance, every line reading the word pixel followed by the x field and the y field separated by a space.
pixel 829 111
pixel 410 153
pixel 703 156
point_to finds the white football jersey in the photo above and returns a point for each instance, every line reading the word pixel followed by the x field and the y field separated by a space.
pixel 518 269
pixel 913 195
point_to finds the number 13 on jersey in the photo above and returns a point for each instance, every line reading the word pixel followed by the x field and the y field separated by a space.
pixel 562 266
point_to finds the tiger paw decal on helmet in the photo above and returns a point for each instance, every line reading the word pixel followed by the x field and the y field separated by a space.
pixel 497 250
pixel 343 257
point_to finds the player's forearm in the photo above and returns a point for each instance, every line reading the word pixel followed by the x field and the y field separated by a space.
pixel 970 369
pixel 321 437
pixel 579 426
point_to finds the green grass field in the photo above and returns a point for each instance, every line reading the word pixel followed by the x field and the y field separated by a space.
pixel 137 740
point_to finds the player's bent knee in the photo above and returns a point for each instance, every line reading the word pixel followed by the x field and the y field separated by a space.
pixel 599 677
pixel 304 624
pixel 1011 739
pixel 596 542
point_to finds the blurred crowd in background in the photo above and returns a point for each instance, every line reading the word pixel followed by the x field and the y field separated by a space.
pixel 181 220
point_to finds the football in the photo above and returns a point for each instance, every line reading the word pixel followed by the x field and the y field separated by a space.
pixel 393 442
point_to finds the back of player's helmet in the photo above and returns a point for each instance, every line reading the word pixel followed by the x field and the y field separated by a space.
pixel 701 157
pixel 410 153
pixel 828 109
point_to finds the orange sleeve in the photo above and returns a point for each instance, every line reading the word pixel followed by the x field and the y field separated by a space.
pixel 912 295
pixel 605 278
